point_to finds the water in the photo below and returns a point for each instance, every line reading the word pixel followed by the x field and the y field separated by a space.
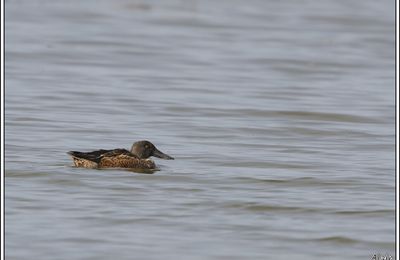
pixel 280 115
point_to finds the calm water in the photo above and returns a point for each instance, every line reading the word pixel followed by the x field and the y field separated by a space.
pixel 280 115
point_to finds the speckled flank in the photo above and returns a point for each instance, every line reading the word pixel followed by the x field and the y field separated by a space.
pixel 84 163
pixel 124 161
pixel 117 161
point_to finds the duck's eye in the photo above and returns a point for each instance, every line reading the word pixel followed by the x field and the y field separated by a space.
pixel 146 146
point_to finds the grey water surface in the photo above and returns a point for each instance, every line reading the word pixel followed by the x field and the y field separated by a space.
pixel 280 116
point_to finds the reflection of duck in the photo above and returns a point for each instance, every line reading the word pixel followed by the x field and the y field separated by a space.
pixel 120 158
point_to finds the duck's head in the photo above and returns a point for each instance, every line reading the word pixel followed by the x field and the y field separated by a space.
pixel 145 149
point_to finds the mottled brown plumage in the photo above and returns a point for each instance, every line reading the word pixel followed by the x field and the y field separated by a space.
pixel 120 158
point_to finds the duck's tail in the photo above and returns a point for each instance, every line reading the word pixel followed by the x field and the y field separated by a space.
pixel 81 155
pixel 76 154
pixel 91 156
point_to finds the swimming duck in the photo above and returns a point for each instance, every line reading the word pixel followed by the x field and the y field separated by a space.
pixel 137 157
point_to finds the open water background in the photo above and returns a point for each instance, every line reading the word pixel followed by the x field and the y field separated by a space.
pixel 280 115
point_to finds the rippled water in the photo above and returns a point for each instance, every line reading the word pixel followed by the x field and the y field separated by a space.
pixel 280 115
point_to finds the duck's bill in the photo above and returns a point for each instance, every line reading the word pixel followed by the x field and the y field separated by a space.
pixel 162 155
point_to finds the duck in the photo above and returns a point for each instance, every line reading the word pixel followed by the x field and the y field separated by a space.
pixel 137 157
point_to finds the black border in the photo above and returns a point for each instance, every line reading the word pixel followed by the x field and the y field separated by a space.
pixel 2 154
pixel 396 248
